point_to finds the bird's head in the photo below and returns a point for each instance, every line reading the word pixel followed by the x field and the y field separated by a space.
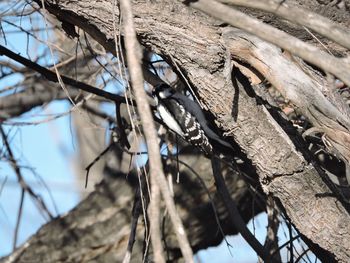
pixel 162 91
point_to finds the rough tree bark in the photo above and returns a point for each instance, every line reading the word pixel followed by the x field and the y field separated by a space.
pixel 202 51
pixel 97 230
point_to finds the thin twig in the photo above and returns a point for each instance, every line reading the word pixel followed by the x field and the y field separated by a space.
pixel 135 214
pixel 217 219
pixel 18 221
pixel 131 109
pixel 40 202
pixel 133 53
pixel 286 244
pixel 87 169
pixel 291 246
pixel 233 211
pixel 50 75
pixel 302 255
pixel 123 137
pixel 154 217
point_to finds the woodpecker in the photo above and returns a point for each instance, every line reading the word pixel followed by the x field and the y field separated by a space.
pixel 186 118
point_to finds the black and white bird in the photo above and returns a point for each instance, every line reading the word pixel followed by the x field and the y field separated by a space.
pixel 186 118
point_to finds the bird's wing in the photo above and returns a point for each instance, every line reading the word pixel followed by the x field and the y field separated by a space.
pixel 192 129
pixel 190 106
pixel 194 108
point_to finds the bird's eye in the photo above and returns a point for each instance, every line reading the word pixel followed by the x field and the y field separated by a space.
pixel 162 95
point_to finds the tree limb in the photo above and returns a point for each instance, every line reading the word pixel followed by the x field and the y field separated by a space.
pixel 158 181
pixel 304 50
pixel 300 16
pixel 50 75
pixel 280 162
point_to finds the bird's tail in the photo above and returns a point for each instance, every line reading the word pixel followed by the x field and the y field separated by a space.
pixel 212 135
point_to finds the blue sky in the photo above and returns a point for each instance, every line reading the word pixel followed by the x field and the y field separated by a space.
pixel 47 151
pixel 44 150
pixel 48 148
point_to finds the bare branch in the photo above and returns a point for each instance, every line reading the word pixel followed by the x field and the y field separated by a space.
pixel 340 67
pixel 156 169
pixel 303 17
pixel 50 75
pixel 306 93
pixel 39 201
pixel 19 217
pixel 234 213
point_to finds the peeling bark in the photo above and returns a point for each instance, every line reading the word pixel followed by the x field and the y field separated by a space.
pixel 201 54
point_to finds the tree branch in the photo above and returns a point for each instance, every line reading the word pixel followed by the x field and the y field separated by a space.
pixel 234 213
pixel 283 170
pixel 340 67
pixel 50 75
pixel 303 17
pixel 158 180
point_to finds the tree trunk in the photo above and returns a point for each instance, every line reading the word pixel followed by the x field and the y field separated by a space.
pixel 202 52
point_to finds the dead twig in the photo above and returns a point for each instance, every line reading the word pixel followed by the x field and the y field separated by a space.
pixel 25 187
pixel 18 221
pixel 136 211
pixel 158 180
pixel 233 211
pixel 50 75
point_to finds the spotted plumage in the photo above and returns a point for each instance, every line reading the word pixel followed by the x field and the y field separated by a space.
pixel 185 117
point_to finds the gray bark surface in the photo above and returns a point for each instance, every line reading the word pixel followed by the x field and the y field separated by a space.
pixel 202 54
